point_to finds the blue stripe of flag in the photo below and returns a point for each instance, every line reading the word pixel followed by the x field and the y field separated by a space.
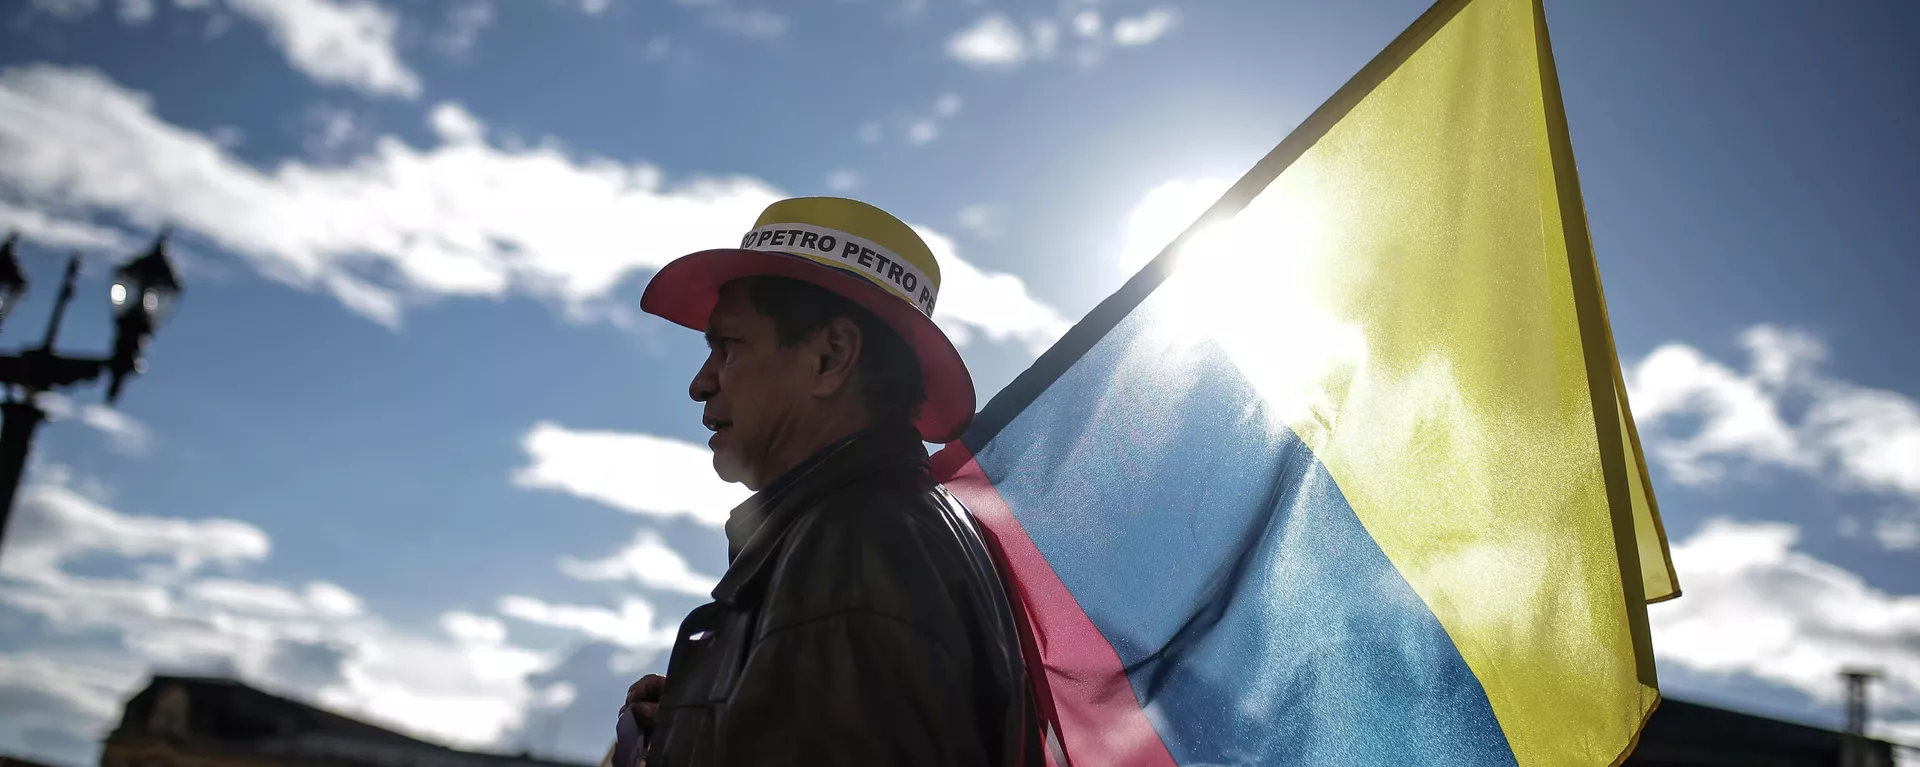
pixel 1258 621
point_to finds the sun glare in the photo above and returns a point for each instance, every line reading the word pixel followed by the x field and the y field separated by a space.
pixel 1162 214
pixel 1256 284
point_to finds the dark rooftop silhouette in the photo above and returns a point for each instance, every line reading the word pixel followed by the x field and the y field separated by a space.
pixel 184 718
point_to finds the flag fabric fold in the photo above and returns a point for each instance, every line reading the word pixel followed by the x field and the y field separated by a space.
pixel 1347 475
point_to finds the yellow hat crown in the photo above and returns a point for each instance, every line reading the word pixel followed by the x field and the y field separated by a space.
pixel 853 237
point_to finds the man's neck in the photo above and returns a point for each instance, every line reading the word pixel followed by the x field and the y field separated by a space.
pixel 804 441
pixel 873 448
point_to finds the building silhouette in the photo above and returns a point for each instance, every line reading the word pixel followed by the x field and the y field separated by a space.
pixel 1683 734
pixel 180 721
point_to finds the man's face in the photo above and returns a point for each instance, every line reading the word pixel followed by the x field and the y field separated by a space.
pixel 755 390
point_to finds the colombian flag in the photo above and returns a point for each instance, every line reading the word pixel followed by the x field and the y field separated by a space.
pixel 1347 475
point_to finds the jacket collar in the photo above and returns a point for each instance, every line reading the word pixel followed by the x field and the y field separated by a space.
pixel 756 526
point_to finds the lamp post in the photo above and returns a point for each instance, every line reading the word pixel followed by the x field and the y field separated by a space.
pixel 1854 751
pixel 143 294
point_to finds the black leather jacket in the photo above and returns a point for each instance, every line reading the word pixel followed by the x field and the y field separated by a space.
pixel 861 622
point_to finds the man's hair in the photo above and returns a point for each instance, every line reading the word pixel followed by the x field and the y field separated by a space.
pixel 889 370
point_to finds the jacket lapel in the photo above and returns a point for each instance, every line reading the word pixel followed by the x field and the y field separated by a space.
pixel 763 519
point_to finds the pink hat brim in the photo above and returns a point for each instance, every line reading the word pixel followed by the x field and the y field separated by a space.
pixel 684 292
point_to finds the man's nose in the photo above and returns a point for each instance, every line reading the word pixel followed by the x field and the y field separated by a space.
pixel 705 383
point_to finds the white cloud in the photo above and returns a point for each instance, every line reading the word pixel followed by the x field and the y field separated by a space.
pixel 1872 435
pixel 647 560
pixel 331 600
pixel 1903 734
pixel 336 42
pixel 996 42
pixel 871 133
pixel 469 691
pixel 658 48
pixel 59 702
pixel 56 524
pixel 756 24
pixel 318 598
pixel 1855 437
pixel 474 629
pixel 1087 23
pixel 557 696
pixel 91 683
pixel 995 305
pixel 1739 414
pixel 640 473
pixel 127 435
pixel 631 626
pixel 1046 38
pixel 400 224
pixel 67 10
pixel 922 131
pixel 1897 533
pixel 464 23
pixel 919 129
pixel 227 136
pixel 1756 606
pixel 843 180
pixel 467 686
pixel 595 7
pixel 980 221
pixel 136 11
pixel 454 125
pixel 1145 28
pixel 334 129
pixel 1162 214
pixel 55 231
pixel 992 42
pixel 217 25
pixel 464 219
pixel 248 597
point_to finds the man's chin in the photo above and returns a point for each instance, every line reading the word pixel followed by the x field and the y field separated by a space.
pixel 728 467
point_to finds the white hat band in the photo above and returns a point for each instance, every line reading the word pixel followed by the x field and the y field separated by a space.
pixel 848 252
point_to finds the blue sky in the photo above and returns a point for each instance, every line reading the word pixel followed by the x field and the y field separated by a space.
pixel 409 450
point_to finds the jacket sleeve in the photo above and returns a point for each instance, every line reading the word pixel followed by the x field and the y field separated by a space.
pixel 851 688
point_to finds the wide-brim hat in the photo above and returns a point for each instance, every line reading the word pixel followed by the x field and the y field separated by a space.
pixel 853 249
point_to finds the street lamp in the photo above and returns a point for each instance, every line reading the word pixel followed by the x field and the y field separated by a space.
pixel 144 292
pixel 151 278
pixel 13 284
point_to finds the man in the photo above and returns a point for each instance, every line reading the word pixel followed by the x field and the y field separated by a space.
pixel 861 620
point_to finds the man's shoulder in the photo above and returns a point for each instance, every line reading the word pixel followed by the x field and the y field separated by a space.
pixel 889 522
pixel 880 545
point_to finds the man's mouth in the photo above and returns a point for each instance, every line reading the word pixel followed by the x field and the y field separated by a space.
pixel 715 425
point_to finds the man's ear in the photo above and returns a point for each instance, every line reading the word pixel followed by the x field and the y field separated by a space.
pixel 834 353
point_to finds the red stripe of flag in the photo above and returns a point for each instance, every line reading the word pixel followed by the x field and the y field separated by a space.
pixel 1084 693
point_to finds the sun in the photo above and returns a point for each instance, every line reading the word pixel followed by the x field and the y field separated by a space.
pixel 1162 214
pixel 1259 285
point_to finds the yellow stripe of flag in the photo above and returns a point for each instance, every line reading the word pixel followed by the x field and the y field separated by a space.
pixel 1446 354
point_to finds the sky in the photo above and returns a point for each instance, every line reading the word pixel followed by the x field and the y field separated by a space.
pixel 408 449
